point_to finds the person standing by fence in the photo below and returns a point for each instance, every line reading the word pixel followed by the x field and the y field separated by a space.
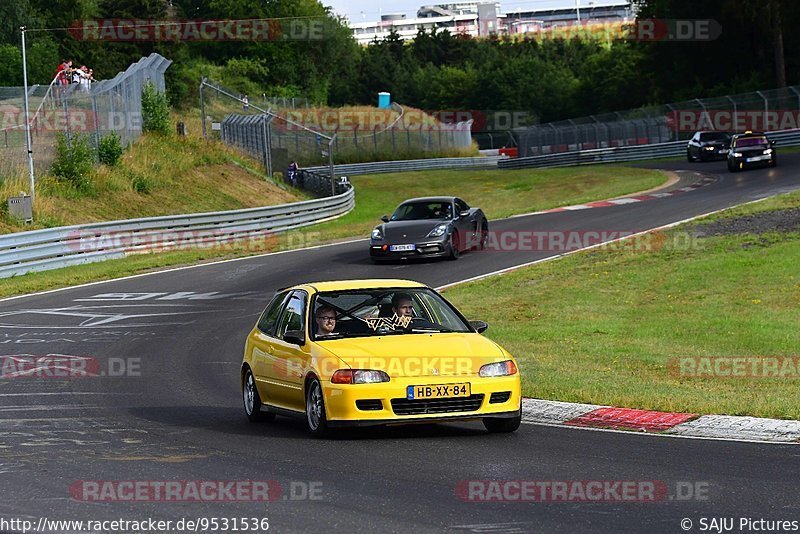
pixel 292 172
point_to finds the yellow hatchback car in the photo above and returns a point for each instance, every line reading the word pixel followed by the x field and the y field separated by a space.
pixel 375 352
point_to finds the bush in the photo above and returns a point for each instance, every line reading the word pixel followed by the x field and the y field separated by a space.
pixel 110 149
pixel 140 183
pixel 155 110
pixel 74 161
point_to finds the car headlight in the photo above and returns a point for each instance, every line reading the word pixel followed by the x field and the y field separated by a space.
pixel 359 376
pixel 505 368
pixel 768 151
pixel 438 231
pixel 737 154
pixel 377 234
pixel 708 148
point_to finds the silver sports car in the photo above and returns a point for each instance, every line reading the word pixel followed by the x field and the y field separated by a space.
pixel 429 227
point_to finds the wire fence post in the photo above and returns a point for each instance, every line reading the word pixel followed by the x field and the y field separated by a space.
pixel 27 114
pixel 202 108
pixel 96 127
pixel 331 168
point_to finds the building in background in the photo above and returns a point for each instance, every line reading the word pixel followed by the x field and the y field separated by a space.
pixel 482 19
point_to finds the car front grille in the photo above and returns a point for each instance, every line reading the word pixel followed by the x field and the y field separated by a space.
pixel 432 406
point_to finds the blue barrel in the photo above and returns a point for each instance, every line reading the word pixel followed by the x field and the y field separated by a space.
pixel 384 100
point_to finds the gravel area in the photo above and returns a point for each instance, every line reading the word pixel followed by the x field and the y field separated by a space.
pixel 785 220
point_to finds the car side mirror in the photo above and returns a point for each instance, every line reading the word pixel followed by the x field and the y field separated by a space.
pixel 295 337
pixel 385 218
pixel 772 142
pixel 464 213
pixel 479 326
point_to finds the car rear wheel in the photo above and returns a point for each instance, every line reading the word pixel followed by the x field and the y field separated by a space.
pixel 316 419
pixel 252 401
pixel 455 243
pixel 498 425
pixel 732 167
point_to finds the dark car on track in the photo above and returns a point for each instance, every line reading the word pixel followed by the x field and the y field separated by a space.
pixel 707 146
pixel 429 227
pixel 751 149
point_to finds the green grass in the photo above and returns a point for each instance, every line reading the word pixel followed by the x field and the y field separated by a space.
pixel 603 326
pixel 499 193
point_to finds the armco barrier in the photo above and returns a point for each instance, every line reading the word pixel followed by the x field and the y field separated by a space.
pixel 626 153
pixel 378 167
pixel 41 250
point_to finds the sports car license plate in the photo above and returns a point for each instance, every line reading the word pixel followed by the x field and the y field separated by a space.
pixel 758 158
pixel 438 391
pixel 401 248
pixel 723 151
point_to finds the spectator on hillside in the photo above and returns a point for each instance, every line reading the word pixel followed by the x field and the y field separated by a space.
pixel 291 173
pixel 245 103
pixel 85 78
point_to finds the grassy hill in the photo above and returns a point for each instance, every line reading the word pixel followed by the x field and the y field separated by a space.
pixel 157 175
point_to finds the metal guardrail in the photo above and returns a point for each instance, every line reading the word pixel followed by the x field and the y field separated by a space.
pixel 626 153
pixel 41 250
pixel 378 167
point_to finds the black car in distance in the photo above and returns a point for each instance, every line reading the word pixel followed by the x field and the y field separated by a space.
pixel 707 146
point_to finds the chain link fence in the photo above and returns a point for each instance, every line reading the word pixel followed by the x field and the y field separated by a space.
pixel 772 110
pixel 267 136
pixel 92 110
pixel 316 137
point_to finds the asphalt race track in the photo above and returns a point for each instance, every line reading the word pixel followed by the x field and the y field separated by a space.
pixel 168 407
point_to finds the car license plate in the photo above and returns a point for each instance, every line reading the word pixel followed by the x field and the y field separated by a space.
pixel 438 391
pixel 401 248
pixel 758 158
pixel 723 151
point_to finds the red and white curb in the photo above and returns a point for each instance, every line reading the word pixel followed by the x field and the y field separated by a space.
pixel 737 428
pixel 708 180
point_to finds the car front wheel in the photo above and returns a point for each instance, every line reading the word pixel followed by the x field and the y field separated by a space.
pixel 501 425
pixel 316 419
pixel 455 251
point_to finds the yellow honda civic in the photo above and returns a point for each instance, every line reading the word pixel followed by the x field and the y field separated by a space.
pixel 375 352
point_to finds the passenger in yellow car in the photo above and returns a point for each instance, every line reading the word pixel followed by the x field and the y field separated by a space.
pixel 326 320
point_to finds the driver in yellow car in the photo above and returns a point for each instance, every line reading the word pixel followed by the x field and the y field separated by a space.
pixel 402 305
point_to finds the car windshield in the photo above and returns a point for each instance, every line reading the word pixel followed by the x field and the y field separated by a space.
pixel 714 136
pixel 381 312
pixel 751 141
pixel 423 210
